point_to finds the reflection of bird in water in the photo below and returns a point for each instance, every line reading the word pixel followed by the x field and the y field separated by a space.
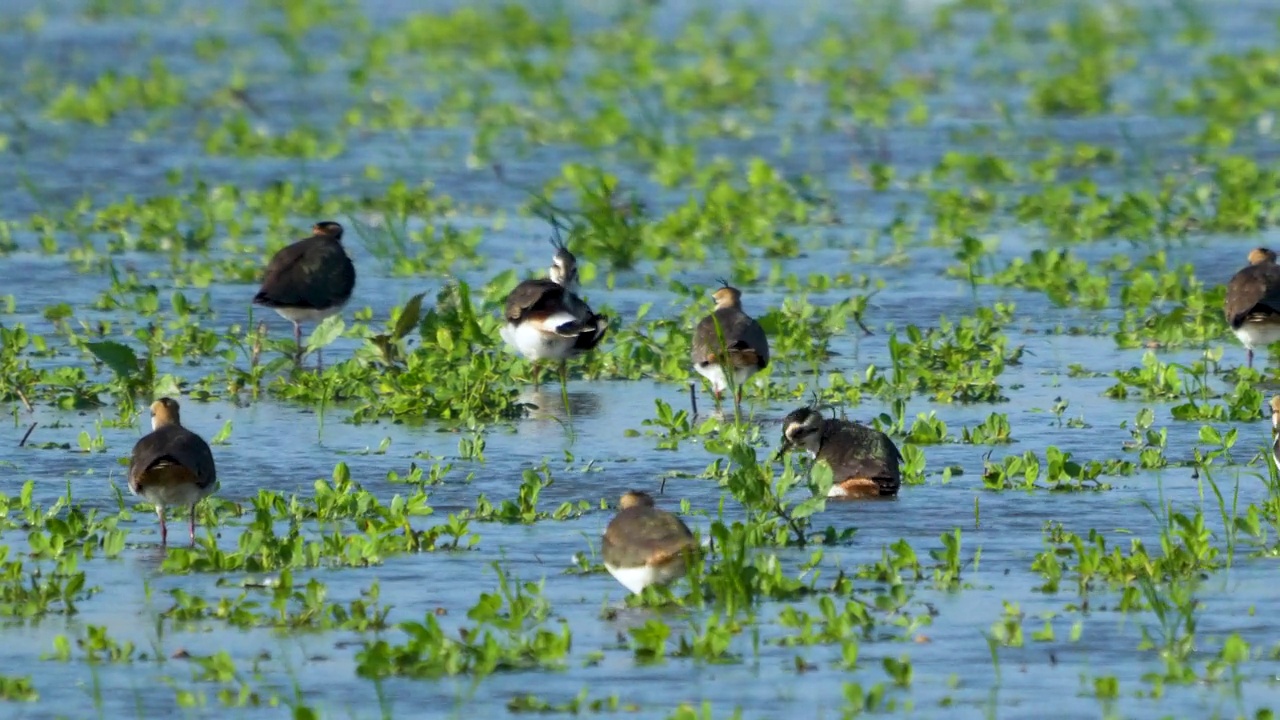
pixel 550 405
pixel 1252 302
pixel 171 465
pixel 644 545
pixel 864 461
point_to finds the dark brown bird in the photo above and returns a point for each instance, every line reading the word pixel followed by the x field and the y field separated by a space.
pixel 546 320
pixel 643 545
pixel 309 280
pixel 1252 303
pixel 863 460
pixel 171 465
pixel 745 349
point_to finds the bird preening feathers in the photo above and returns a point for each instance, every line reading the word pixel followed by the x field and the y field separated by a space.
pixel 864 461
pixel 545 319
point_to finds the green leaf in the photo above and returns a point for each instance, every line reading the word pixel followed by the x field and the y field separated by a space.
pixel 809 507
pixel 409 316
pixel 122 360
pixel 821 479
pixel 223 434
pixel 1209 435
pixel 326 332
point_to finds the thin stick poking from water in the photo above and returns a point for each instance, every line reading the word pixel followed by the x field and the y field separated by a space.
pixel 26 435
pixel 25 402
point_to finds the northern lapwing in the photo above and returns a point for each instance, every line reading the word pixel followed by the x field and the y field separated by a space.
pixel 546 320
pixel 644 545
pixel 864 461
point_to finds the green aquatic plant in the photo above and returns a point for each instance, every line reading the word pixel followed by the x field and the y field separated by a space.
pixel 508 635
pixel 780 150
pixel 1057 472
pixel 114 93
pixel 18 689
pixel 290 607
pixel 578 704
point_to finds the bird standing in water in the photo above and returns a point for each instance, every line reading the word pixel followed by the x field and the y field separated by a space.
pixel 728 342
pixel 171 465
pixel 644 545
pixel 1252 302
pixel 546 320
pixel 864 461
pixel 309 280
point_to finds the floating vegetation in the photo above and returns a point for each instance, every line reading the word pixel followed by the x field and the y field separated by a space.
pixel 995 236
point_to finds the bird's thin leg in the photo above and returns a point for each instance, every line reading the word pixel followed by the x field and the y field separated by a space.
pixel 297 341
pixel 319 360
pixel 1250 352
pixel 739 395
pixel 717 393
pixel 164 530
pixel 193 523
pixel 693 398
pixel 536 370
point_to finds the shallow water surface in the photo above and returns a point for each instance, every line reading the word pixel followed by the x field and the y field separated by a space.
pixel 598 446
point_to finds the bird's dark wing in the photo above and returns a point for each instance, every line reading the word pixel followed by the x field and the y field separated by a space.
pixel 533 297
pixel 743 338
pixel 644 535
pixel 592 332
pixel 593 325
pixel 857 451
pixel 1252 293
pixel 172 444
pixel 311 273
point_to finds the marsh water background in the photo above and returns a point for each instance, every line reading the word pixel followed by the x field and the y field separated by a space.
pixel 285 447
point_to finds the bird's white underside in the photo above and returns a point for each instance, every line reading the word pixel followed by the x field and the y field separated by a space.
pixel 174 495
pixel 636 579
pixel 536 341
pixel 301 315
pixel 714 373
pixel 1255 335
pixel 837 491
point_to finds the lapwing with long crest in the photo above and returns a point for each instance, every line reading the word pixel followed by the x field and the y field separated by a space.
pixel 171 466
pixel 1252 302
pixel 547 320
pixel 309 280
pixel 644 545
pixel 728 344
pixel 864 462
